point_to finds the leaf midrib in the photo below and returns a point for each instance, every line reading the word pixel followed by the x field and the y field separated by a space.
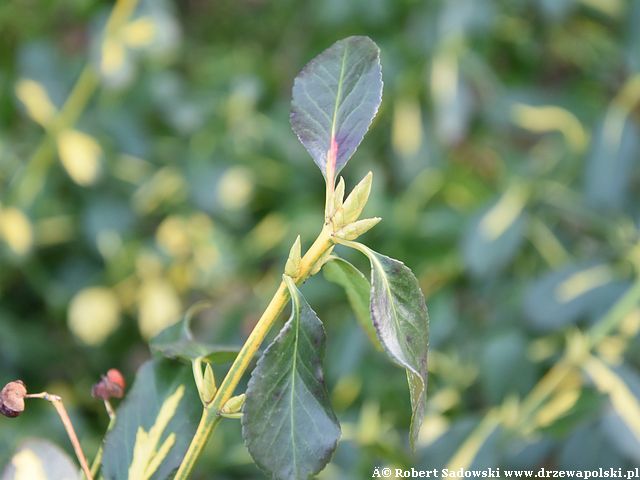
pixel 383 275
pixel 295 303
pixel 334 119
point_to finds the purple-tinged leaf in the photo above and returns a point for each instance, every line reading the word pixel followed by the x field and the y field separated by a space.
pixel 401 320
pixel 335 98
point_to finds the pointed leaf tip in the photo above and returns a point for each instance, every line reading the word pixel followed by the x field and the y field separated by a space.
pixel 356 201
pixel 335 98
pixel 292 267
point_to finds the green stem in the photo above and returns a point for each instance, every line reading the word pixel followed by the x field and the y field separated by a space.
pixel 30 181
pixel 97 461
pixel 211 414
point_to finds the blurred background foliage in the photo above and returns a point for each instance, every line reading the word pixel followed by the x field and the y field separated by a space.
pixel 146 162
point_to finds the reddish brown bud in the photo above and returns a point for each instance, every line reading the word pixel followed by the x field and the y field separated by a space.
pixel 116 377
pixel 111 385
pixel 12 398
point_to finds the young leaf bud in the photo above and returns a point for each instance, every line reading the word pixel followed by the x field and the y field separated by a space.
pixel 355 229
pixel 292 267
pixel 338 197
pixel 111 385
pixel 233 405
pixel 12 399
pixel 208 385
pixel 355 202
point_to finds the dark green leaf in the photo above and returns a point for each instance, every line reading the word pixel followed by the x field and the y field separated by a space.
pixel 177 342
pixel 357 287
pixel 335 98
pixel 155 423
pixel 42 457
pixel 401 320
pixel 288 424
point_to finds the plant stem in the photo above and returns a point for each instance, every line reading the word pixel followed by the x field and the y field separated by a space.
pixel 211 413
pixel 56 401
pixel 30 181
pixel 97 461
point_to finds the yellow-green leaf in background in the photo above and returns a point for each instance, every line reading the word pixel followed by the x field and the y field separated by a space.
pixel 94 314
pixel 16 230
pixel 38 459
pixel 154 425
pixel 80 155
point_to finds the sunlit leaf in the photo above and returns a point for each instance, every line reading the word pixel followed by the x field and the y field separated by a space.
pixel 80 155
pixel 16 230
pixel 401 320
pixel 36 100
pixel 158 306
pixel 40 460
pixel 154 425
pixel 357 288
pixel 288 425
pixel 335 98
pixel 177 341
pixel 94 314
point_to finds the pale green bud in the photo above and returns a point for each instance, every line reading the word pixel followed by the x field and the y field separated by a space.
pixel 233 405
pixel 355 202
pixel 338 197
pixel 355 229
pixel 292 267
pixel 208 385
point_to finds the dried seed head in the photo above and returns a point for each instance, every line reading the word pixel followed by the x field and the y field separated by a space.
pixel 111 385
pixel 12 398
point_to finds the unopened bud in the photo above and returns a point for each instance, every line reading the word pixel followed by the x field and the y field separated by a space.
pixel 111 385
pixel 12 399
pixel 338 197
pixel 355 202
pixel 355 229
pixel 209 387
pixel 233 405
pixel 292 267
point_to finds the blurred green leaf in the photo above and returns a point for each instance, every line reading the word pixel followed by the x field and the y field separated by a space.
pixel 562 297
pixel 177 341
pixel 611 162
pixel 495 235
pixel 42 460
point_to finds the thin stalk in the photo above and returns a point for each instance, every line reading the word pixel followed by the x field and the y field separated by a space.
pixel 211 413
pixel 97 460
pixel 56 401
